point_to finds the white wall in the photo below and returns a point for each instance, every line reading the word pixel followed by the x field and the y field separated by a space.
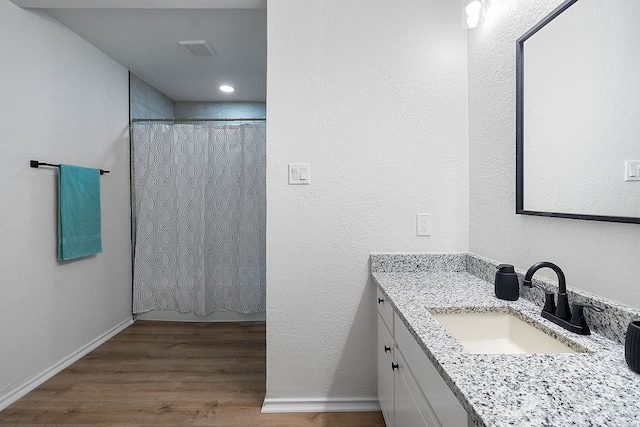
pixel 597 257
pixel 61 100
pixel 373 95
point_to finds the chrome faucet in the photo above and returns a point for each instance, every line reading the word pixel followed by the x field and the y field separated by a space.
pixel 560 315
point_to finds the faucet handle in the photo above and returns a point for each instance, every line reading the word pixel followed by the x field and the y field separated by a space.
pixel 549 302
pixel 592 307
pixel 549 297
pixel 578 315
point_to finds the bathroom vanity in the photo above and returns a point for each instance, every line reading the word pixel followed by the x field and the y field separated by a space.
pixel 426 377
pixel 411 391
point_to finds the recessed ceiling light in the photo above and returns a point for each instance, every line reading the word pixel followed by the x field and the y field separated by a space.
pixel 227 88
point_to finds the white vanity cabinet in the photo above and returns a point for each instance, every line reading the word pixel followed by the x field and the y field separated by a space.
pixel 385 372
pixel 410 390
pixel 386 361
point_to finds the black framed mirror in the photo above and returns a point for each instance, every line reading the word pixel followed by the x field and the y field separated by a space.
pixel 578 113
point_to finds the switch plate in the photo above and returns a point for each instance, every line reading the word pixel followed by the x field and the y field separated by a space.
pixel 299 173
pixel 632 170
pixel 423 225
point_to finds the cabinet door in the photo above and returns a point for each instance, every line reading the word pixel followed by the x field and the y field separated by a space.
pixel 412 408
pixel 385 310
pixel 385 373
pixel 444 403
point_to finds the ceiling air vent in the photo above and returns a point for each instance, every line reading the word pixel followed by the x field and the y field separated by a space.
pixel 199 48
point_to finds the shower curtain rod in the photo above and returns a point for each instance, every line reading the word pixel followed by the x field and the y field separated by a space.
pixel 187 119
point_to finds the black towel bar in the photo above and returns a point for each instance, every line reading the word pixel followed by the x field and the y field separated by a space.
pixel 35 164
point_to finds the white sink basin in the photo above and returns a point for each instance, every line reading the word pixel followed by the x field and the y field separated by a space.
pixel 500 333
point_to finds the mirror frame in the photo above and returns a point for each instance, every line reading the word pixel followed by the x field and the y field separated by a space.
pixel 520 131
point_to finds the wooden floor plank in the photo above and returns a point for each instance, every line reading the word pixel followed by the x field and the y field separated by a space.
pixel 169 374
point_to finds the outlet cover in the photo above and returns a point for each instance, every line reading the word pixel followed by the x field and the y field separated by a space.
pixel 423 225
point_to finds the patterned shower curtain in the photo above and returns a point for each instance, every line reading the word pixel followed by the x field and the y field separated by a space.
pixel 200 214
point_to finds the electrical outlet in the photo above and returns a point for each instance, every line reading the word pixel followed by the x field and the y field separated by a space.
pixel 423 225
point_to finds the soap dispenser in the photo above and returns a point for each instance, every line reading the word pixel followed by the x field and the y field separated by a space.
pixel 506 283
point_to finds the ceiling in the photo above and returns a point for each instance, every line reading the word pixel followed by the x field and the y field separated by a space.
pixel 145 41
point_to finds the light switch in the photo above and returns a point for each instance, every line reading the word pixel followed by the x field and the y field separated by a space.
pixel 299 173
pixel 632 170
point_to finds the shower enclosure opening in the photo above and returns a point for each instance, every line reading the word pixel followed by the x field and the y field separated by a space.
pixel 199 208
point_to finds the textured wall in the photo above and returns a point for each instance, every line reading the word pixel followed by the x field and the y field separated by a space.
pixel 61 100
pixel 373 95
pixel 597 257
pixel 147 102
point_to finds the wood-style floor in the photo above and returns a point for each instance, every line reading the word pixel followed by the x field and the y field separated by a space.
pixel 169 374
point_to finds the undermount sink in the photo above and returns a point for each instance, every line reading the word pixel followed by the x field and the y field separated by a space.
pixel 500 333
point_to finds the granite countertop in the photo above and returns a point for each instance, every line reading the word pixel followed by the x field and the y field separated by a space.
pixel 596 388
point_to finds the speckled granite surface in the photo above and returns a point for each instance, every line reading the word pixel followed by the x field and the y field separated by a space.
pixel 582 389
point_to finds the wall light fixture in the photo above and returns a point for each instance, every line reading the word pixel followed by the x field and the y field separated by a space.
pixel 473 12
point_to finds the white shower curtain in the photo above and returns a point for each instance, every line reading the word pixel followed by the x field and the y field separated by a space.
pixel 200 209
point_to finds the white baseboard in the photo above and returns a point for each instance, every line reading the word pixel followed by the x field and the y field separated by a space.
pixel 31 384
pixel 283 405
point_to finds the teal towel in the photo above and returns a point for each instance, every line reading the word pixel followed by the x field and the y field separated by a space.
pixel 79 228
